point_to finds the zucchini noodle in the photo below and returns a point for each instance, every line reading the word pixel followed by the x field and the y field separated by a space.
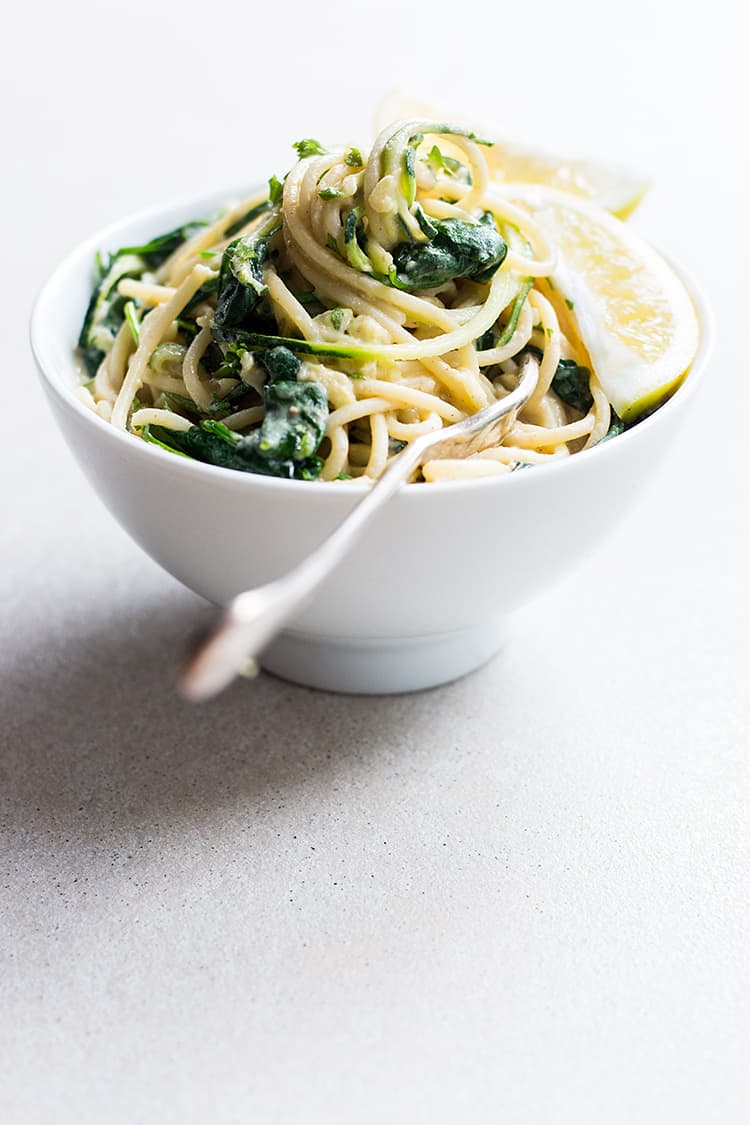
pixel 314 329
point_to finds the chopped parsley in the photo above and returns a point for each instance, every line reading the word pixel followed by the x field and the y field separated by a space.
pixel 275 189
pixel 309 147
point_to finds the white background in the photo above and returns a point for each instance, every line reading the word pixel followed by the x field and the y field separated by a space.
pixel 522 898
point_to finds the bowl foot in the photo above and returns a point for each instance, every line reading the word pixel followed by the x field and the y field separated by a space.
pixel 383 665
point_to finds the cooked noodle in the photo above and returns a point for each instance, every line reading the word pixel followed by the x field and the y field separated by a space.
pixel 323 268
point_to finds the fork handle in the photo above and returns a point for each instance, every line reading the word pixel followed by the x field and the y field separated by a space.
pixel 253 618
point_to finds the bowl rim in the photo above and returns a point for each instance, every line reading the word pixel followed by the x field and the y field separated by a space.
pixel 55 382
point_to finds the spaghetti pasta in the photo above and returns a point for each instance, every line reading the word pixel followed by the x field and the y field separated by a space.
pixel 313 330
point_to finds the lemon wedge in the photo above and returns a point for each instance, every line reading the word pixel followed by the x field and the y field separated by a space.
pixel 634 315
pixel 612 188
pixel 615 189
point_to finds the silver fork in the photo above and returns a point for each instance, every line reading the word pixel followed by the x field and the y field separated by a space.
pixel 252 619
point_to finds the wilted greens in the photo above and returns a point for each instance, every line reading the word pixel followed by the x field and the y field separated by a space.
pixel 349 274
pixel 454 249
pixel 284 445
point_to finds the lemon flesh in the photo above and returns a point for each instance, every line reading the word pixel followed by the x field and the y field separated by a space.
pixel 614 189
pixel 634 315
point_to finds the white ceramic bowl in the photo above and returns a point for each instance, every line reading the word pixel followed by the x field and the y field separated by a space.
pixel 425 595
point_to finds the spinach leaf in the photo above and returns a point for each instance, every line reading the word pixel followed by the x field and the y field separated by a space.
pixel 284 445
pixel 240 285
pixel 238 296
pixel 457 249
pixel 571 384
pixel 426 225
pixel 281 364
pixel 218 408
pixel 180 403
pixel 294 423
pixel 157 250
pixel 148 434
pixel 230 401
pixel 217 364
pixel 203 443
